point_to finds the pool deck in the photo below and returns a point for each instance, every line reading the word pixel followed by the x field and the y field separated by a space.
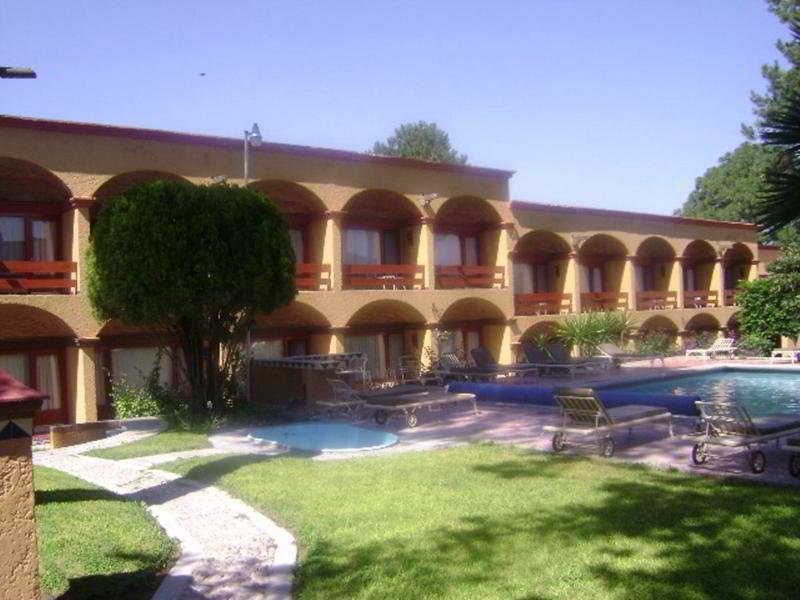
pixel 522 425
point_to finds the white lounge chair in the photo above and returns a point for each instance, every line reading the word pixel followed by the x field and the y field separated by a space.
pixel 720 346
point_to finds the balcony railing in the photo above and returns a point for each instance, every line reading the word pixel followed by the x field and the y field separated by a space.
pixel 731 297
pixel 384 277
pixel 24 277
pixel 311 277
pixel 542 304
pixel 656 300
pixel 469 276
pixel 701 299
pixel 604 301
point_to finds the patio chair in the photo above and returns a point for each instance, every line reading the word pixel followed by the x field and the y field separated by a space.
pixel 486 363
pixel 730 424
pixel 618 356
pixel 450 368
pixel 555 360
pixel 356 369
pixel 781 354
pixel 582 413
pixel 345 400
pixel 409 369
pixel 720 346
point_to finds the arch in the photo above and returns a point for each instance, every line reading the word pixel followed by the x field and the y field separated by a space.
pixel 119 184
pixel 541 244
pixel 385 312
pixel 290 197
pixel 703 322
pixel 738 253
pixel 467 212
pixel 659 323
pixel 603 246
pixel 24 181
pixel 655 260
pixel 115 328
pixel 381 205
pixel 655 247
pixel 297 315
pixel 699 250
pixel 542 328
pixel 19 322
pixel 540 267
pixel 472 309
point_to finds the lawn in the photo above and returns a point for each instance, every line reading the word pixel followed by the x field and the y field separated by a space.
pixel 161 443
pixel 495 522
pixel 93 544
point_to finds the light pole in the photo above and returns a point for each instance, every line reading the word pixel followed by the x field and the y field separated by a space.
pixel 17 73
pixel 251 138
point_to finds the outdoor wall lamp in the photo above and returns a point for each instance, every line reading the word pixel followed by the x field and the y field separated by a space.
pixel 251 138
pixel 17 73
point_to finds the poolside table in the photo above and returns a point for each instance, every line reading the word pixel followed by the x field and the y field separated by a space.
pixel 407 404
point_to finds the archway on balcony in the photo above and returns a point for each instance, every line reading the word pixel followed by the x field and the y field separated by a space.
pixel 540 273
pixel 471 323
pixel 736 262
pixel 32 202
pixel 467 236
pixel 305 215
pixel 660 326
pixel 384 331
pixel 602 259
pixel 296 329
pixel 656 286
pixel 701 330
pixel 380 242
pixel 116 186
pixel 698 271
pixel 33 349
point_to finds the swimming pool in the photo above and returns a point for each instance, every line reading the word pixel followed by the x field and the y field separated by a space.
pixel 324 437
pixel 762 391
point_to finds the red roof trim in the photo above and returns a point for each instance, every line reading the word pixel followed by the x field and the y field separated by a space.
pixel 524 205
pixel 159 135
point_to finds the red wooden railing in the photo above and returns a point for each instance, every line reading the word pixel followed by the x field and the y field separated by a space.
pixel 730 297
pixel 542 304
pixel 311 277
pixel 469 276
pixel 656 300
pixel 24 276
pixel 604 301
pixel 384 277
pixel 701 299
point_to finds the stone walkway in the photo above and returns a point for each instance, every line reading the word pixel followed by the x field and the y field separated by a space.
pixel 229 551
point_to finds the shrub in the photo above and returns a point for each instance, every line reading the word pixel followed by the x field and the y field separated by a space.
pixel 756 344
pixel 131 401
pixel 656 341
pixel 587 331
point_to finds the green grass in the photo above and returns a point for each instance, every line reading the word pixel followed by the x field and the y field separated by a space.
pixel 93 544
pixel 161 443
pixel 494 522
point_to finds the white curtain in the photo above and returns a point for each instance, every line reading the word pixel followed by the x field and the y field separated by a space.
pixel 448 249
pixel 15 365
pixel 47 380
pixel 296 237
pixel 12 238
pixel 362 247
pixel 523 278
pixel 688 278
pixel 44 240
pixel 471 250
pixel 595 279
pixel 135 364
pixel 267 349
pixel 641 283
pixel 368 346
pixel 395 346
pixel 541 279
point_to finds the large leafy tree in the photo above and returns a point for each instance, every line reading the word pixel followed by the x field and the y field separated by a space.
pixel 421 140
pixel 193 262
pixel 770 307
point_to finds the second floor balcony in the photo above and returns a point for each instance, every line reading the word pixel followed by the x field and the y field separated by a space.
pixel 591 301
pixel 542 304
pixel 384 277
pixel 25 277
pixel 469 276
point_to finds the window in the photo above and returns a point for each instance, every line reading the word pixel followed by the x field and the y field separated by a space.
pixel 28 238
pixel 530 279
pixel 595 279
pixel 369 346
pixel 267 349
pixel 298 245
pixel 39 370
pixel 297 347
pixel 362 247
pixel 453 249
pixel 136 364
pixel 395 348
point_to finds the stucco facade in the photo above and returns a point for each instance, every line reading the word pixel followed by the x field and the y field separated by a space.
pixel 446 249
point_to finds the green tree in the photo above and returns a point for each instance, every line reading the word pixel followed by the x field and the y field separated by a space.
pixel 421 140
pixel 195 263
pixel 770 307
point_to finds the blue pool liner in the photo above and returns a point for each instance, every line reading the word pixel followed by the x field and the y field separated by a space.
pixel 543 396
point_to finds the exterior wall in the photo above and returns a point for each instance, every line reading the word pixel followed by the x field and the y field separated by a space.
pixel 85 161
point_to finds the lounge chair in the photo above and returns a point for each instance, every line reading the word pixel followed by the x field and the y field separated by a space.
pixel 409 369
pixel 555 360
pixel 730 424
pixel 583 413
pixel 618 356
pixel 486 363
pixel 450 368
pixel 781 354
pixel 720 346
pixel 345 400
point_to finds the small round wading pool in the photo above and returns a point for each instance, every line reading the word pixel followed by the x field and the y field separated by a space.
pixel 324 437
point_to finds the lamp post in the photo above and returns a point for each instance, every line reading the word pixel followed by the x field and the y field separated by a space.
pixel 251 138
pixel 17 73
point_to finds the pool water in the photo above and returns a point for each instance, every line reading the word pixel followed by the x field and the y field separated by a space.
pixel 762 392
pixel 325 437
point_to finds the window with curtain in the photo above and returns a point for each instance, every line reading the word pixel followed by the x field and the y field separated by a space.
pixel 44 240
pixel 523 278
pixel 472 340
pixel 267 349
pixel 48 380
pixel 595 279
pixel 368 345
pixel 688 279
pixel 16 365
pixel 362 247
pixel 470 250
pixel 296 237
pixel 391 248
pixel 12 238
pixel 297 347
pixel 395 348
pixel 135 365
pixel 448 249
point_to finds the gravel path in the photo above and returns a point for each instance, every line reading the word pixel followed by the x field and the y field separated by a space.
pixel 228 550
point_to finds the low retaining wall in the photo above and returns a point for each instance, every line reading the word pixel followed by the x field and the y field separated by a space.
pixel 543 396
pixel 78 433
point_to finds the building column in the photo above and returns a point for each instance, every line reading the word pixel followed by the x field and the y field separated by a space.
pixel 333 249
pixel 19 565
pixel 76 225
pixel 82 387
pixel 629 281
pixel 676 282
pixel 506 351
pixel 574 281
pixel 718 281
pixel 752 274
pixel 504 247
pixel 428 348
pixel 337 341
pixel 426 252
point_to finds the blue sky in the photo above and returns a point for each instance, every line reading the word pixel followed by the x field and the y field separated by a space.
pixel 614 104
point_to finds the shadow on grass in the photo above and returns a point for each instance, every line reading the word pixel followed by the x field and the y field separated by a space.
pixel 661 536
pixel 72 495
pixel 137 585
